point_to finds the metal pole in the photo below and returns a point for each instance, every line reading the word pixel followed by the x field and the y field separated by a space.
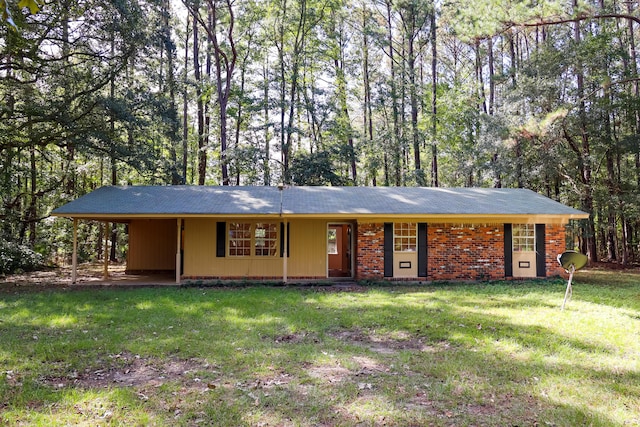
pixel 567 294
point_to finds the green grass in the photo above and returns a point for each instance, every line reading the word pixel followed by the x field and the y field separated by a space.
pixel 484 354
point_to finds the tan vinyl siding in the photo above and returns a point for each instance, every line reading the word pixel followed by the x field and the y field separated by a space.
pixel 307 255
pixel 199 251
pixel 152 245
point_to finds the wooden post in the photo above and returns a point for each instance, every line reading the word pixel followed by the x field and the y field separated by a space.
pixel 178 255
pixel 74 257
pixel 285 249
pixel 285 254
pixel 105 271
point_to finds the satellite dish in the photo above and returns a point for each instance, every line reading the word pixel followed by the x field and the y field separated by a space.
pixel 571 261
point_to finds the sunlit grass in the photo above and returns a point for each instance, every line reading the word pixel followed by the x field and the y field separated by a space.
pixel 482 354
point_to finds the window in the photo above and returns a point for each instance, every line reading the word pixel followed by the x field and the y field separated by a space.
pixel 266 237
pixel 524 237
pixel 252 239
pixel 332 242
pixel 239 239
pixel 404 237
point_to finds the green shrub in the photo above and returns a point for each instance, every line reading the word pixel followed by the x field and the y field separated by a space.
pixel 15 258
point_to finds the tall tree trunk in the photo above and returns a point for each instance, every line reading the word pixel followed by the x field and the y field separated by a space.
pixel 297 51
pixel 202 148
pixel 309 93
pixel 367 108
pixel 32 211
pixel 497 182
pixel 173 131
pixel 518 155
pixel 585 153
pixel 632 69
pixel 225 56
pixel 404 149
pixel 285 149
pixel 225 62
pixel 66 53
pixel 240 104
pixel 396 149
pixel 114 168
pixel 207 72
pixel 482 99
pixel 410 31
pixel 611 181
pixel 492 78
pixel 520 145
pixel 341 90
pixel 267 135
pixel 185 108
pixel 434 100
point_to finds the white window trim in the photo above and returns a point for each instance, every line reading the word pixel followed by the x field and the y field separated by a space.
pixel 398 236
pixel 253 239
pixel 530 236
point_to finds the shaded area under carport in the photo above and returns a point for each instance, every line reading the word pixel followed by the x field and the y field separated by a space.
pixel 87 275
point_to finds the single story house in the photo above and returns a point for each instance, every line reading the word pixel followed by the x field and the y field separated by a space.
pixel 296 233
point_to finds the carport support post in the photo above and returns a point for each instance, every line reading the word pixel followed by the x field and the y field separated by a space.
pixel 285 254
pixel 74 256
pixel 178 257
pixel 105 270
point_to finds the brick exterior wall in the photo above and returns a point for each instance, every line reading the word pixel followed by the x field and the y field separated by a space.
pixel 555 238
pixel 455 251
pixel 370 251
pixel 465 252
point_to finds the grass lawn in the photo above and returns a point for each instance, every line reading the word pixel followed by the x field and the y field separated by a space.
pixel 482 354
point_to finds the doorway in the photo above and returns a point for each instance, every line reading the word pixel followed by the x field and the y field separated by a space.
pixel 339 250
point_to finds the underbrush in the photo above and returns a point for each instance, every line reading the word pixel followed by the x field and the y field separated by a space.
pixel 16 258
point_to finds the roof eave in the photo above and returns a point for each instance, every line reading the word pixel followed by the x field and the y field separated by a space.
pixel 360 217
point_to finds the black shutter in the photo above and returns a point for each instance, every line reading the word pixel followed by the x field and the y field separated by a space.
pixel 422 249
pixel 388 249
pixel 541 251
pixel 221 239
pixel 282 240
pixel 508 251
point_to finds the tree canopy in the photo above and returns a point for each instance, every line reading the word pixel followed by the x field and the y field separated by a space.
pixel 501 93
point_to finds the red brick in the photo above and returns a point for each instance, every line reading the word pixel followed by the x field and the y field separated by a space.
pixel 454 251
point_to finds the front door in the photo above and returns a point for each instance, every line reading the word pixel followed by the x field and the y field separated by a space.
pixel 524 250
pixel 339 242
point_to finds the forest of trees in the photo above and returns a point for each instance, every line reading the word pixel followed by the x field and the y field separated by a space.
pixel 488 93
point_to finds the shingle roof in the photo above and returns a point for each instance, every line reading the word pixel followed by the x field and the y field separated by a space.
pixel 209 200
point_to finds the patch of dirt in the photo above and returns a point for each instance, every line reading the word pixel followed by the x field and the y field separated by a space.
pixel 369 366
pixel 331 374
pixel 296 338
pixel 129 370
pixel 267 382
pixel 382 344
pixel 60 277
